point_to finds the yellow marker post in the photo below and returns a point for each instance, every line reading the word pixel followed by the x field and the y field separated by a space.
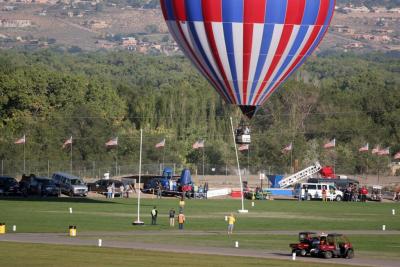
pixel 2 228
pixel 72 230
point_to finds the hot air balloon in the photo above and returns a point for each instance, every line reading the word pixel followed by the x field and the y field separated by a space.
pixel 247 48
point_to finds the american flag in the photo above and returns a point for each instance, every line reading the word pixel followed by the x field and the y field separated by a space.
pixel 364 148
pixel 397 156
pixel 244 147
pixel 112 142
pixel 384 152
pixel 198 144
pixel 20 141
pixel 287 148
pixel 376 150
pixel 161 144
pixel 330 144
pixel 67 142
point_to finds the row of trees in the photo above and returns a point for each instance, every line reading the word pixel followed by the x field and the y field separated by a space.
pixel 50 96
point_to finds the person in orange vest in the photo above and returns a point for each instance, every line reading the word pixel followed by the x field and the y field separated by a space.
pixel 181 220
pixel 231 223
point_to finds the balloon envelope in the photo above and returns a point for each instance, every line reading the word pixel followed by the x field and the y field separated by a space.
pixel 247 48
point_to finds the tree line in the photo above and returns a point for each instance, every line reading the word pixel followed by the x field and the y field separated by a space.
pixel 50 96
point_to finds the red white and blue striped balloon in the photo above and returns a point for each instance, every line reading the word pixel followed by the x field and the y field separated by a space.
pixel 247 48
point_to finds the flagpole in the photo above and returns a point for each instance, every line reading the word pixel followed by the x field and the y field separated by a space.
pixel 291 158
pixel 24 154
pixel 248 162
pixel 71 156
pixel 203 161
pixel 163 156
pixel 116 160
pixel 238 165
pixel 138 221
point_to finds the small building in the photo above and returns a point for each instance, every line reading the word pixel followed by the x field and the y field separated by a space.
pixel 15 23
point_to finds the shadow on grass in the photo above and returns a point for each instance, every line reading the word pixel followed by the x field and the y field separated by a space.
pixel 281 254
pixel 58 199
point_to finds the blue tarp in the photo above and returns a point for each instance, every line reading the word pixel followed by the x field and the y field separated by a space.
pixel 275 179
pixel 186 178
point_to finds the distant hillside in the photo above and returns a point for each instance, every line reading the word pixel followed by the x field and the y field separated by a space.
pixel 371 3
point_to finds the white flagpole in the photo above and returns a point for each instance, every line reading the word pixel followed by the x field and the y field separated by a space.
pixel 291 158
pixel 71 156
pixel 116 159
pixel 240 174
pixel 203 161
pixel 24 154
pixel 138 221
pixel 163 157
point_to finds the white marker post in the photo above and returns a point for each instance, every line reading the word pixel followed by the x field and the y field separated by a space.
pixel 226 218
pixel 294 256
pixel 252 204
pixel 70 210
pixel 236 244
pixel 383 227
pixel 100 243
pixel 393 212
pixel 14 228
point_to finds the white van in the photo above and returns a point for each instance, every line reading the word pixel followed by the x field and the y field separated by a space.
pixel 314 191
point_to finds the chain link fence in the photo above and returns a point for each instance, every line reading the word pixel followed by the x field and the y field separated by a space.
pixel 97 169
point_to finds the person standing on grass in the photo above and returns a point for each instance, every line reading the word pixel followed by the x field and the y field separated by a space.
pixel 159 190
pixel 231 223
pixel 121 191
pixel 112 190
pixel 154 213
pixel 109 191
pixel 181 220
pixel 181 203
pixel 323 193
pixel 172 217
pixel 306 193
pixel 331 193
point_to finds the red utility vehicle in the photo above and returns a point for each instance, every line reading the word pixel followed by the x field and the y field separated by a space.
pixel 307 241
pixel 334 245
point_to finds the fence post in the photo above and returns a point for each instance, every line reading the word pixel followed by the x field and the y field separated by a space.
pixel 48 168
pixel 2 167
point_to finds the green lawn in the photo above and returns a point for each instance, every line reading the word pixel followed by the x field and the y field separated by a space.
pixel 117 215
pixel 94 215
pixel 65 256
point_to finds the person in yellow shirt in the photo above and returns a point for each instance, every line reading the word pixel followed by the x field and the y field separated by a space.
pixel 231 223
pixel 181 220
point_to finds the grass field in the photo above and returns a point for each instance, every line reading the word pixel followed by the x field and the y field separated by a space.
pixel 64 256
pixel 52 215
pixel 205 225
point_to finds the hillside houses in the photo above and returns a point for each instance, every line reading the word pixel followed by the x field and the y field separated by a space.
pixel 15 23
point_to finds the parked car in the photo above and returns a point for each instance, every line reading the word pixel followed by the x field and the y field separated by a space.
pixel 9 186
pixel 314 191
pixel 69 184
pixel 42 186
pixel 101 186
